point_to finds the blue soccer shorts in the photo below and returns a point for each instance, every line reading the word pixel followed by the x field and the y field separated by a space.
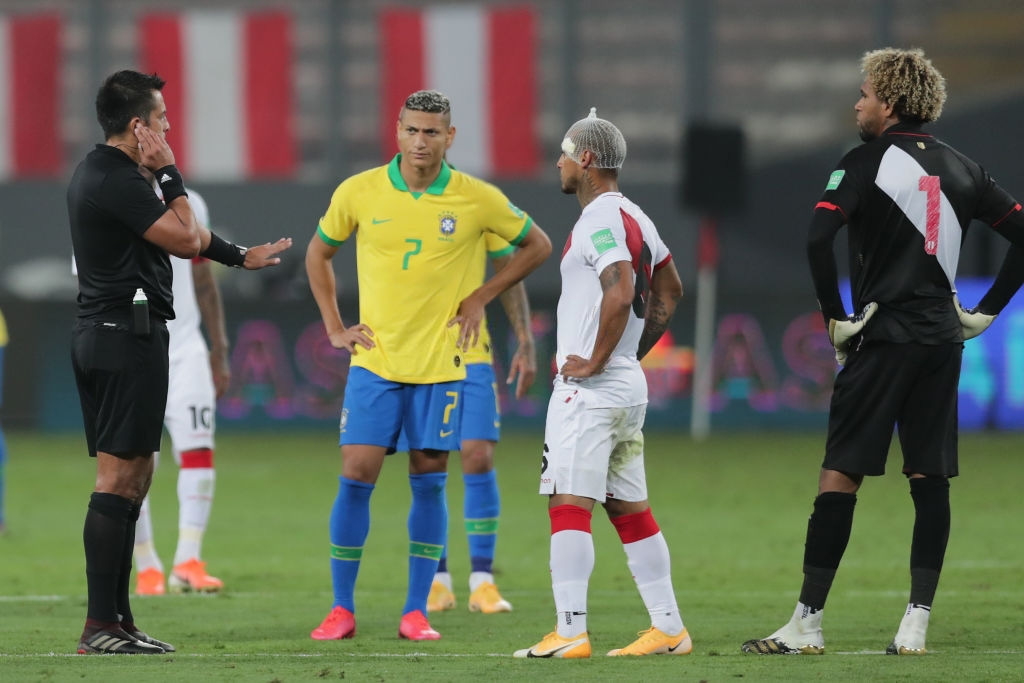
pixel 376 410
pixel 481 415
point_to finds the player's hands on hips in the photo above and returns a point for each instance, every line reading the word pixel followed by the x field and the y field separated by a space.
pixel 577 367
pixel 972 321
pixel 842 332
pixel 351 337
pixel 469 317
pixel 154 152
pixel 263 255
pixel 524 365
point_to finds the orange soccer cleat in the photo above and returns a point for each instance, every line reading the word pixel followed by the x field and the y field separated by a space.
pixel 338 625
pixel 150 582
pixel 414 626
pixel 191 576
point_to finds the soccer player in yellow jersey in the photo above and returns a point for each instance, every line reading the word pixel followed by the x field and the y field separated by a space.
pixel 481 425
pixel 418 224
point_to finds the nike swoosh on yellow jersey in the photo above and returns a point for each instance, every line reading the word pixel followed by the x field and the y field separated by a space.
pixel 378 221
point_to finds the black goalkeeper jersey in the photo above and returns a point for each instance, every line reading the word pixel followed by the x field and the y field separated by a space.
pixel 907 199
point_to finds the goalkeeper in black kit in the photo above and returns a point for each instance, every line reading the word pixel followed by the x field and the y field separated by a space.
pixel 906 199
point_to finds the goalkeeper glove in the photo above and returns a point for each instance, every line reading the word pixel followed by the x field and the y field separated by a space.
pixel 842 332
pixel 972 321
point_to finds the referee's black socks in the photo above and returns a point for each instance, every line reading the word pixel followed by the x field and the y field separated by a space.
pixel 104 536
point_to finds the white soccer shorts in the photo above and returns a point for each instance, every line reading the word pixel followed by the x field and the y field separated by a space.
pixel 593 452
pixel 191 400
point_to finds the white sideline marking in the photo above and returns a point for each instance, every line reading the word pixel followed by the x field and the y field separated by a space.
pixel 438 655
pixel 33 598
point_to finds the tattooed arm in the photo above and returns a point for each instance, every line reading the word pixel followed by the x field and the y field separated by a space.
pixel 517 310
pixel 666 290
pixel 616 307
pixel 212 311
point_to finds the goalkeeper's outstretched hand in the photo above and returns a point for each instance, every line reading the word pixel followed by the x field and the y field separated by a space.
pixel 972 321
pixel 842 332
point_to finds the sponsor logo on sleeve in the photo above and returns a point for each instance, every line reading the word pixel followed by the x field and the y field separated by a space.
pixel 835 179
pixel 603 240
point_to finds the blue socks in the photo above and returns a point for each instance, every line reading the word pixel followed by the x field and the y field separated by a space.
pixel 480 510
pixel 428 528
pixel 350 523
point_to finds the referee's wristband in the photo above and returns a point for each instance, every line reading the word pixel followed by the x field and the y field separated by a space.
pixel 171 184
pixel 225 252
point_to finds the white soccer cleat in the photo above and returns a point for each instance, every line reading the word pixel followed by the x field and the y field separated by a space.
pixel 910 637
pixel 800 636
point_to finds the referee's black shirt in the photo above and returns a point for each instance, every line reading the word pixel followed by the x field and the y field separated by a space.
pixel 110 207
pixel 907 199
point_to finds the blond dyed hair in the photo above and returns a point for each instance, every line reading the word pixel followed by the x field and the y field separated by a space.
pixel 908 81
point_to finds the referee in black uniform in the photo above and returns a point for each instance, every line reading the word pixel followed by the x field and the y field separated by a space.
pixel 122 234
pixel 907 200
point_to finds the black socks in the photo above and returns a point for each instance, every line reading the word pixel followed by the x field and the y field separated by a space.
pixel 931 533
pixel 828 532
pixel 109 538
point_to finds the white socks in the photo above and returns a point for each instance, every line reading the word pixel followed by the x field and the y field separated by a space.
pixel 444 578
pixel 650 565
pixel 572 561
pixel 195 499
pixel 476 578
pixel 145 551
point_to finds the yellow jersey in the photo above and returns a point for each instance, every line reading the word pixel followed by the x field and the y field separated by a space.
pixel 415 255
pixel 491 246
pixel 3 330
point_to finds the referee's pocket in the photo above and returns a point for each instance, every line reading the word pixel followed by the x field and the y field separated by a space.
pixel 110 346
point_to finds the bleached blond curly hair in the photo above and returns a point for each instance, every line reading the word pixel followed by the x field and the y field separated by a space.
pixel 908 81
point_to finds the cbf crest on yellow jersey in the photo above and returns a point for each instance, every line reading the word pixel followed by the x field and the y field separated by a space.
pixel 417 255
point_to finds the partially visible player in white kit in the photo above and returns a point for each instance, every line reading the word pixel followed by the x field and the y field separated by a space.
pixel 198 376
pixel 619 291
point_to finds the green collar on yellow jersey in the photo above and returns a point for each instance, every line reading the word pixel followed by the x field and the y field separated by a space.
pixel 436 187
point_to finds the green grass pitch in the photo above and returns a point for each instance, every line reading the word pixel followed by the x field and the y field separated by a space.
pixel 733 509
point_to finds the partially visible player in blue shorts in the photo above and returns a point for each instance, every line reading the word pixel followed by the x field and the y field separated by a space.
pixel 418 224
pixel 481 428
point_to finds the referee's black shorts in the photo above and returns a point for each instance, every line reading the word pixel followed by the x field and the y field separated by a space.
pixel 885 385
pixel 122 385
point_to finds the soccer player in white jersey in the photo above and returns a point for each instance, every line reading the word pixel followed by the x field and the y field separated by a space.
pixel 198 376
pixel 619 291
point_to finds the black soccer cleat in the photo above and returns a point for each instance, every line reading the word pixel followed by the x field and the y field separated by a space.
pixel 116 642
pixel 150 640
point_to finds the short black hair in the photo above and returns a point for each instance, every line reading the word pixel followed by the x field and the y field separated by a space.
pixel 123 96
pixel 429 101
